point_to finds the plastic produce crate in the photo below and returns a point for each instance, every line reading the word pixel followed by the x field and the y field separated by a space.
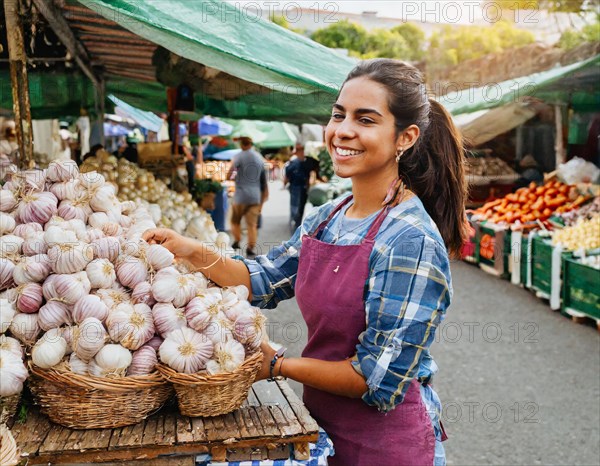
pixel 541 266
pixel 580 289
pixel 494 250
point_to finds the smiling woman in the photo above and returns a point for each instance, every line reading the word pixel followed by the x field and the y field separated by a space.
pixel 371 272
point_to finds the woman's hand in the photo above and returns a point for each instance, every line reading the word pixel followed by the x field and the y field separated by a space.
pixel 179 245
pixel 268 353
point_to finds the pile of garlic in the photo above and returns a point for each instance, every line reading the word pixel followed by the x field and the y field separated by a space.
pixel 167 207
pixel 89 294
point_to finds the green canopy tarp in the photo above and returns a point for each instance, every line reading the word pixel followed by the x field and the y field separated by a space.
pixel 578 83
pixel 233 40
pixel 267 134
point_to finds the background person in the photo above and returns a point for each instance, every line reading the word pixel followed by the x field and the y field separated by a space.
pixel 250 193
pixel 371 271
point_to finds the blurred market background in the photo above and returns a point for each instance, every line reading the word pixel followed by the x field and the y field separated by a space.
pixel 143 93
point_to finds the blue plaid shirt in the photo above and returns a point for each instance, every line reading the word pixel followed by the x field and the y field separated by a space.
pixel 406 295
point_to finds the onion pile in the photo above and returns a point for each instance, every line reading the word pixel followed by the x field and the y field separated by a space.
pixel 168 208
pixel 88 294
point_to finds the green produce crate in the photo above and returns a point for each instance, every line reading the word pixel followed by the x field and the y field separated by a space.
pixel 494 251
pixel 517 256
pixel 581 288
pixel 541 263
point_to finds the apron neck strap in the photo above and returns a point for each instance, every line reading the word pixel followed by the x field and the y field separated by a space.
pixel 331 215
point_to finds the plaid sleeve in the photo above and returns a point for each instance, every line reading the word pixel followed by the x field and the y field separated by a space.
pixel 273 276
pixel 408 294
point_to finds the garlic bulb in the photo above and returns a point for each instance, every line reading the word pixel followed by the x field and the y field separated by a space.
pixel 25 327
pixel 37 207
pixel 32 269
pixel 176 288
pixel 132 326
pixel 219 329
pixel 53 314
pixel 11 344
pixel 67 189
pixel 7 268
pixel 12 373
pixel 112 229
pixel 35 244
pixel 88 338
pixel 29 297
pixel 68 288
pixel 70 257
pixel 201 310
pixel 214 368
pixel 8 200
pixel 155 342
pixel 159 257
pixel 142 293
pixel 131 271
pixel 249 328
pixel 78 366
pixel 91 180
pixel 230 355
pixel 7 313
pixel 101 273
pixel 49 350
pixel 89 306
pixel 55 235
pixel 77 208
pixel 167 318
pixel 10 245
pixel 62 170
pixel 98 219
pixel 143 362
pixel 236 310
pixel 94 234
pixel 186 350
pixel 106 248
pixel 105 200
pixel 25 229
pixel 111 361
pixel 7 223
pixel 68 333
pixel 112 298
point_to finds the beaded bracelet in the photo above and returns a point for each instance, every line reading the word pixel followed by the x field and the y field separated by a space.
pixel 279 354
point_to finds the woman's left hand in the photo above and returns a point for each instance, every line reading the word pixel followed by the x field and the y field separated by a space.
pixel 268 354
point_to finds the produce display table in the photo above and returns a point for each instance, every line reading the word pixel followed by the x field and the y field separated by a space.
pixel 271 419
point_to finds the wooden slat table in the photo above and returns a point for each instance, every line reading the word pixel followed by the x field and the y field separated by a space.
pixel 271 419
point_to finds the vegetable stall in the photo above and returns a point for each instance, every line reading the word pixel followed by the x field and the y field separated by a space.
pixel 107 331
pixel 545 238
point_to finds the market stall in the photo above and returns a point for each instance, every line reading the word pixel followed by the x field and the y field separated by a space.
pixel 545 238
pixel 107 331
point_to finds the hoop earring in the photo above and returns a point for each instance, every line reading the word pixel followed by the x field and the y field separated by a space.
pixel 399 153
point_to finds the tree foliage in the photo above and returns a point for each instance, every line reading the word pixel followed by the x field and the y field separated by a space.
pixel 572 38
pixel 562 6
pixel 343 35
pixel 453 45
pixel 415 39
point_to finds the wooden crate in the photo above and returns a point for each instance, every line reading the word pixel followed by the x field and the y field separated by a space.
pixel 580 289
pixel 271 421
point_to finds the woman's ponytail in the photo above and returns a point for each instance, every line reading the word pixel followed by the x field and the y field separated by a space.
pixel 443 190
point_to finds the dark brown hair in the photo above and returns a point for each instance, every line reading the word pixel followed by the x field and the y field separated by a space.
pixel 434 167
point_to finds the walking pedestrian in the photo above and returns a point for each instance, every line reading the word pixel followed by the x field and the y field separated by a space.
pixel 251 192
pixel 371 271
pixel 297 175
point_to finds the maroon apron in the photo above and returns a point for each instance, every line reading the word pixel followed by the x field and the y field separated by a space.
pixel 329 289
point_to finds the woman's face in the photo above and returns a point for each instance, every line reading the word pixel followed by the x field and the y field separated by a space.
pixel 361 134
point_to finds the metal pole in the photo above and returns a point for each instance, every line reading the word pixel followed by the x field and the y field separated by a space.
pixel 559 146
pixel 19 81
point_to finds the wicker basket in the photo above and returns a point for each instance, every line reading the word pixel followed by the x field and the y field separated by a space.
pixel 203 395
pixel 8 407
pixel 87 402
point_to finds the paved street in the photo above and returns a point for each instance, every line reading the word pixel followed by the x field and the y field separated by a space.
pixel 520 384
